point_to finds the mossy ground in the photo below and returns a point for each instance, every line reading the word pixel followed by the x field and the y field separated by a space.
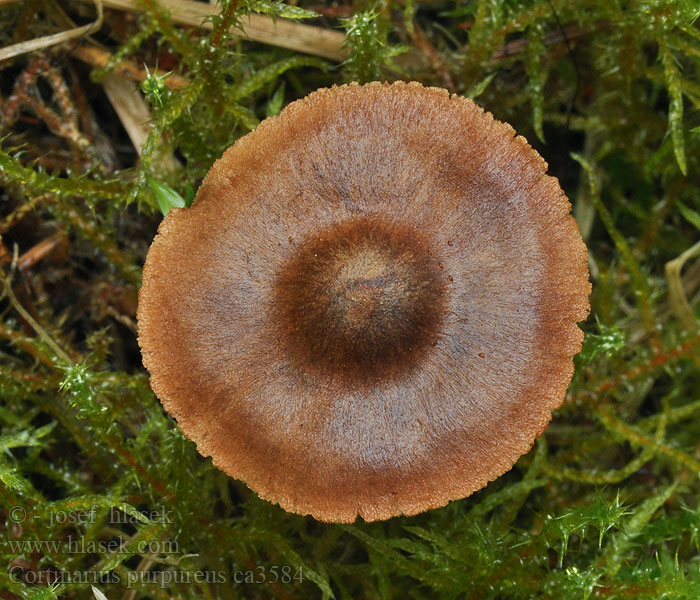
pixel 99 488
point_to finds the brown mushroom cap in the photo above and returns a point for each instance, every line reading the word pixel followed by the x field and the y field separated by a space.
pixel 371 307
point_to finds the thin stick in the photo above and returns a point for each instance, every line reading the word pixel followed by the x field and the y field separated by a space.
pixel 53 39
pixel 45 247
pixel 676 294
pixel 33 323
pixel 130 107
pixel 317 41
pixel 97 57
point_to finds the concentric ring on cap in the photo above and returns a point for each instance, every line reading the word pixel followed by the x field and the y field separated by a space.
pixel 362 300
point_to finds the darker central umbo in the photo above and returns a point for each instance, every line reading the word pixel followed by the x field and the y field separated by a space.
pixel 362 300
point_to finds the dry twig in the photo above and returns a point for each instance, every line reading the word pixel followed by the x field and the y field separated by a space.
pixel 53 39
pixel 309 39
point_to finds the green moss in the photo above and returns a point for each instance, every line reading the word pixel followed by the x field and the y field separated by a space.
pixel 367 41
pixel 98 483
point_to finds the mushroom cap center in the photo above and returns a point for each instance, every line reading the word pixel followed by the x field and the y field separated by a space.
pixel 363 299
pixel 362 294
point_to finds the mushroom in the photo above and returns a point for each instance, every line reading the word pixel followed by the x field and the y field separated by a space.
pixel 371 307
